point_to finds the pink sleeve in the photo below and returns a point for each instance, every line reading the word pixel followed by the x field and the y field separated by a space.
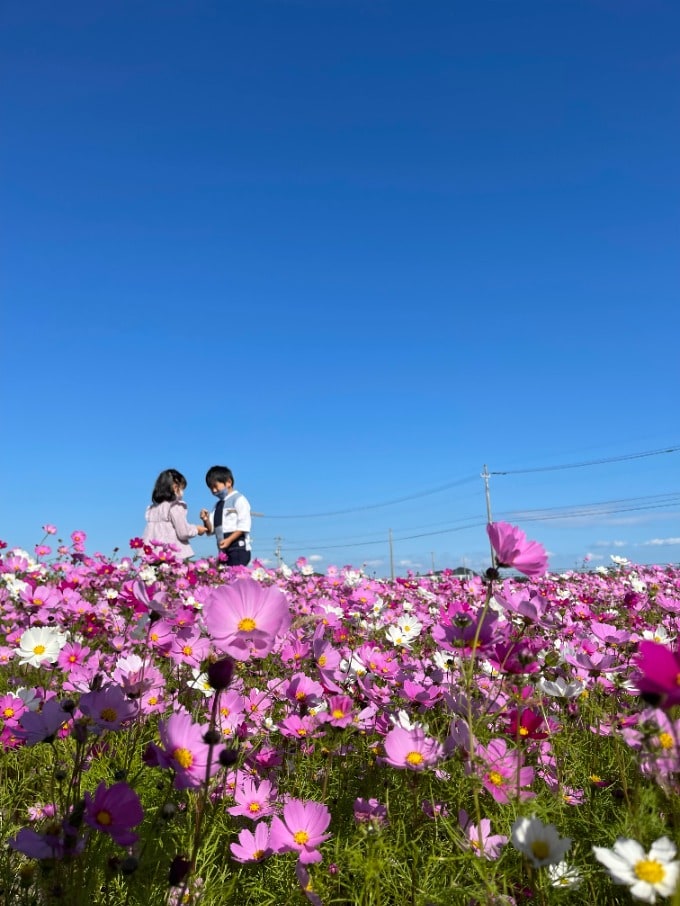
pixel 178 517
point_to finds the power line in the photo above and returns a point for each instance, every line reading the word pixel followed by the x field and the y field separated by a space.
pixel 591 462
pixel 375 506
pixel 472 478
pixel 602 508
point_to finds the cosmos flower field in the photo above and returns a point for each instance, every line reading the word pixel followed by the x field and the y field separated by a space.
pixel 186 732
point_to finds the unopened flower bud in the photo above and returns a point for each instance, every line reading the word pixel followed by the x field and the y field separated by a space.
pixel 228 757
pixel 212 737
pixel 220 673
pixel 179 869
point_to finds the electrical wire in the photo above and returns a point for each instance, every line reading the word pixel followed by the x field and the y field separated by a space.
pixel 591 462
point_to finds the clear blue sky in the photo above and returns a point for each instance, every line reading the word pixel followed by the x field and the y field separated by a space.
pixel 353 250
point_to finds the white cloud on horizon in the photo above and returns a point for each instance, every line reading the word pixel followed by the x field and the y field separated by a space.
pixel 610 543
pixel 315 558
pixel 659 542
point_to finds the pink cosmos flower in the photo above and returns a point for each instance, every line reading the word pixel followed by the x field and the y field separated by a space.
pixel 305 882
pixel 306 692
pixel 58 843
pixel 43 725
pixel 301 830
pixel 512 549
pixel 481 840
pixel 253 800
pixel 108 708
pixel 370 811
pixel 411 749
pixel 659 683
pixel 244 618
pixel 253 846
pixel 340 711
pixel 11 709
pixel 184 750
pixel 114 810
pixel 502 772
pixel 49 529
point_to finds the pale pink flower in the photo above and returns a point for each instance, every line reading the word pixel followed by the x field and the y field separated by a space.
pixel 512 549
pixel 244 618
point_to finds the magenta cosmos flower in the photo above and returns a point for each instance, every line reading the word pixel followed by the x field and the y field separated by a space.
pixel 512 549
pixel 253 846
pixel 301 830
pixel 184 750
pixel 659 683
pixel 411 749
pixel 244 618
pixel 114 810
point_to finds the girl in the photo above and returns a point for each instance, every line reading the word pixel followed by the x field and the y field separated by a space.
pixel 166 518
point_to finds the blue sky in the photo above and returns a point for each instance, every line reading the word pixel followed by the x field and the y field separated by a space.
pixel 355 251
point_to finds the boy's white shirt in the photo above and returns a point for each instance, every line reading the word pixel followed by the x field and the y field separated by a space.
pixel 235 518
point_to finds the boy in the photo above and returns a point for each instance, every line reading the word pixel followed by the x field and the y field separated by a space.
pixel 230 520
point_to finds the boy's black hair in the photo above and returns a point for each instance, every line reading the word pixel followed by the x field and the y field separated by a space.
pixel 164 487
pixel 219 473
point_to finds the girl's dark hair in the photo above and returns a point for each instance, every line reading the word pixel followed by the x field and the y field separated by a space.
pixel 163 489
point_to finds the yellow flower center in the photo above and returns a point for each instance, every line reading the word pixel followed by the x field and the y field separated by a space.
pixel 109 715
pixel 301 837
pixel 495 778
pixel 338 713
pixel 523 731
pixel 322 660
pixel 650 870
pixel 8 712
pixel 247 624
pixel 183 757
pixel 187 650
pixel 300 696
pixel 540 849
pixel 103 817
pixel 665 740
pixel 254 808
pixel 258 854
pixel 414 758
pixel 39 649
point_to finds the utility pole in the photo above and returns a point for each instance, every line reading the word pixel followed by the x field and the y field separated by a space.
pixel 485 476
pixel 432 555
pixel 277 552
pixel 391 557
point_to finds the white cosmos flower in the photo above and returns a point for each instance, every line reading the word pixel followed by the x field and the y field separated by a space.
pixel 620 561
pixel 397 637
pixel 41 644
pixel 200 682
pixel 562 875
pixel 560 688
pixel 259 574
pixel 148 575
pixel 647 874
pixel 659 635
pixel 539 842
pixel 403 719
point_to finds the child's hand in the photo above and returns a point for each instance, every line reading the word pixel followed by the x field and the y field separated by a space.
pixel 205 515
pixel 201 529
